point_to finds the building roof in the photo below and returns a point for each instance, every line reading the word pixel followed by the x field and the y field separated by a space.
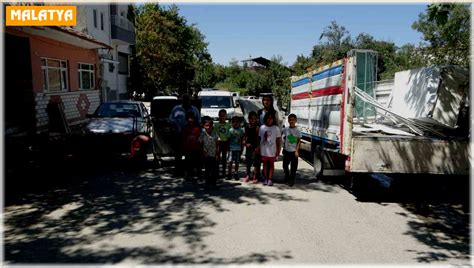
pixel 65 34
pixel 79 34
pixel 260 60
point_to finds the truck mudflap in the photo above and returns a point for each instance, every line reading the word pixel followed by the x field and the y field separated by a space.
pixel 410 155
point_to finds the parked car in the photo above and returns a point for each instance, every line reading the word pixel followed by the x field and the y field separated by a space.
pixel 213 101
pixel 164 130
pixel 116 128
pixel 164 135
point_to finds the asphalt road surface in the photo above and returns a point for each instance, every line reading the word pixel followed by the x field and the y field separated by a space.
pixel 111 213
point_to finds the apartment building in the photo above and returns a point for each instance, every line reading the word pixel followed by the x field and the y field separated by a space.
pixel 108 23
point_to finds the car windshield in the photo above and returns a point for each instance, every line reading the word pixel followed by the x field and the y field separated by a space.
pixel 118 110
pixel 216 101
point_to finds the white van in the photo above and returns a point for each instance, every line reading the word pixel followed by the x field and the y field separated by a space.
pixel 213 101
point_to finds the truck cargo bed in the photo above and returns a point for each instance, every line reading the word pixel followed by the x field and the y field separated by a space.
pixel 403 154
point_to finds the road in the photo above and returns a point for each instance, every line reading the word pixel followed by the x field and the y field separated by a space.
pixel 117 214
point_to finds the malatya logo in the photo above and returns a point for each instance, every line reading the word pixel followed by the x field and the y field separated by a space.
pixel 41 16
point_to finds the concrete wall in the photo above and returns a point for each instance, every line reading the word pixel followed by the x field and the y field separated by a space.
pixel 86 21
pixel 76 106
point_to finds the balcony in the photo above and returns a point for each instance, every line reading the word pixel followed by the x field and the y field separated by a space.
pixel 122 30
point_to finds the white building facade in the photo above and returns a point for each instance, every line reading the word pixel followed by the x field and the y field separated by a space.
pixel 108 23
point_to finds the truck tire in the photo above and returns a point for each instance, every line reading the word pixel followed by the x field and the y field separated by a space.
pixel 318 162
pixel 360 186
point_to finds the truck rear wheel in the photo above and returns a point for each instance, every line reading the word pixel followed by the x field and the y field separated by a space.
pixel 318 162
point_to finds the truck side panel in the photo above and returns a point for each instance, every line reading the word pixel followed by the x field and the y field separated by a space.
pixel 316 100
pixel 410 155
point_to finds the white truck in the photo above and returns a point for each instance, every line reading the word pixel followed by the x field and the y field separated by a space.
pixel 352 123
pixel 215 100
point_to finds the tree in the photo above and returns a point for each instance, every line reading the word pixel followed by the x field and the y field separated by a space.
pixel 446 32
pixel 338 42
pixel 171 55
pixel 280 80
pixel 386 65
pixel 409 57
pixel 301 64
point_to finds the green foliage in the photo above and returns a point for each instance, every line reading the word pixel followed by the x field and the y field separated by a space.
pixel 335 42
pixel 446 31
pixel 170 55
pixel 275 78
pixel 280 80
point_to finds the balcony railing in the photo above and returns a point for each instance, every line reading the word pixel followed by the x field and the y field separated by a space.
pixel 122 29
pixel 122 22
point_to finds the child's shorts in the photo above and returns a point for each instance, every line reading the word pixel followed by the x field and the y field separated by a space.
pixel 268 158
pixel 233 156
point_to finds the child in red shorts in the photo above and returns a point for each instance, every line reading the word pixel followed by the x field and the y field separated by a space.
pixel 270 146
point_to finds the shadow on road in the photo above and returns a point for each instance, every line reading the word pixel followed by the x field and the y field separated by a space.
pixel 76 214
pixel 87 212
pixel 440 204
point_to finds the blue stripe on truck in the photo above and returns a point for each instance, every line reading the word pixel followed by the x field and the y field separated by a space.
pixel 317 76
pixel 300 82
pixel 329 72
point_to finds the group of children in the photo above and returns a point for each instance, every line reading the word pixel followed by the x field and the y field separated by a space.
pixel 224 142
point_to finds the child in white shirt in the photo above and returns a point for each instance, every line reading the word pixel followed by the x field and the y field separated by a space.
pixel 269 147
pixel 291 145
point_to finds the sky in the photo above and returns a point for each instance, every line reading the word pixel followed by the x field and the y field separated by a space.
pixel 238 31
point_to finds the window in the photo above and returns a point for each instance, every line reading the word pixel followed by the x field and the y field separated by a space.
pixel 111 67
pixel 95 18
pixel 86 76
pixel 123 63
pixel 101 21
pixel 118 110
pixel 55 75
pixel 216 101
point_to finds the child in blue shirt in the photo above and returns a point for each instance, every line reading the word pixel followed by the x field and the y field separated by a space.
pixel 236 136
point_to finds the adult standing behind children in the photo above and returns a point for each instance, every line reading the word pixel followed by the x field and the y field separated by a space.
pixel 178 117
pixel 291 145
pixel 191 147
pixel 267 102
pixel 270 146
pixel 221 128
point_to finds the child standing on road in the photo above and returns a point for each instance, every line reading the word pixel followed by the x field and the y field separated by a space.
pixel 210 145
pixel 270 146
pixel 268 107
pixel 251 143
pixel 192 147
pixel 291 146
pixel 221 128
pixel 236 136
